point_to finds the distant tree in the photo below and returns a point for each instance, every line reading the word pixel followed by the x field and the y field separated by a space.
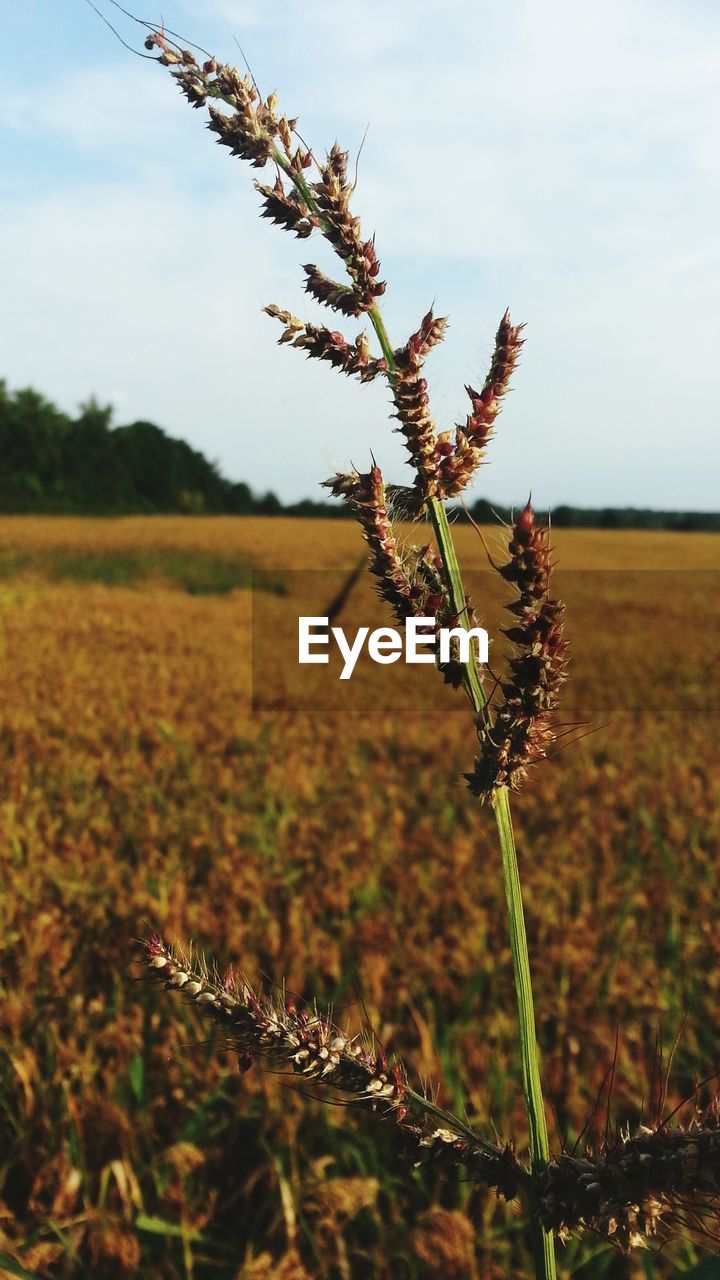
pixel 269 505
pixel 564 517
pixel 50 462
pixel 32 433
pixel 241 501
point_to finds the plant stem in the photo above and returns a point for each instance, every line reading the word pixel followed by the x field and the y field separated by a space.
pixel 532 1088
pixel 544 1250
pixel 441 529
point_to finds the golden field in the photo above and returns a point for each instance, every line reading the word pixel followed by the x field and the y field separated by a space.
pixel 341 852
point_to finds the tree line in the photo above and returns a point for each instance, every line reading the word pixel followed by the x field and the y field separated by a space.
pixel 52 463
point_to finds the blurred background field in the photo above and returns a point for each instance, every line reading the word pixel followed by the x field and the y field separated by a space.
pixel 338 851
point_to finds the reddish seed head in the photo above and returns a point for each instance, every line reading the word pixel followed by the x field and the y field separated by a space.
pixel 153 944
pixel 526 520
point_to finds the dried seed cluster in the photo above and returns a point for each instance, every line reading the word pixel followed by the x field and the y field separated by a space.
pixel 299 1038
pixel 642 1188
pixel 287 1034
pixel 253 126
pixel 255 130
pixel 458 461
pixel 444 1149
pixel 411 581
pixel 444 466
pixel 520 731
pixel 340 297
pixel 341 228
pixel 286 208
pixel 411 585
pixel 326 344
pixel 412 404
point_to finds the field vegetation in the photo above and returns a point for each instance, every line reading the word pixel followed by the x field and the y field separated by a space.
pixel 145 775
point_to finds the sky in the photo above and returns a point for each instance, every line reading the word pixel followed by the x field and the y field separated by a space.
pixel 560 159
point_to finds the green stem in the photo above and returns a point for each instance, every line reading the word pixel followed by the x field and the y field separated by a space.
pixel 532 1088
pixel 544 1250
pixel 439 521
pixel 378 325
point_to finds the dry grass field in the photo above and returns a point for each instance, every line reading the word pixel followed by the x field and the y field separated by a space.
pixel 338 851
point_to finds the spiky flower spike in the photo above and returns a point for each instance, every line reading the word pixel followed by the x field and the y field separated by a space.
pixel 340 297
pixel 286 209
pixel 254 130
pixel 412 404
pixel 251 127
pixel 332 192
pixel 520 732
pixel 409 579
pixel 636 1190
pixel 327 344
pixel 298 1038
pixel 459 462
pixel 411 584
pixel 644 1187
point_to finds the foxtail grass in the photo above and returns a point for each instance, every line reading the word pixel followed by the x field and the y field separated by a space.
pixel 644 1184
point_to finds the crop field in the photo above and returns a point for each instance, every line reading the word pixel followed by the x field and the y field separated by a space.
pixel 150 773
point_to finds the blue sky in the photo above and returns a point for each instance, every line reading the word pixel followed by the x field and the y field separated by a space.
pixel 556 158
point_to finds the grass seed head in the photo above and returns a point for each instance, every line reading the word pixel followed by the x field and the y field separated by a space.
pixel 458 463
pixel 411 585
pixel 320 343
pixel 412 403
pixel 286 208
pixel 642 1188
pixel 329 293
pixel 342 229
pixel 520 733
pixel 299 1038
